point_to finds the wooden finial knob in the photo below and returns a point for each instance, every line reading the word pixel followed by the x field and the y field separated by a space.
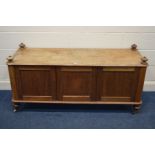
pixel 144 60
pixel 10 58
pixel 134 47
pixel 22 45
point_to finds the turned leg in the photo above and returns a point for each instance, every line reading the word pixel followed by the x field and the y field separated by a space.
pixel 15 106
pixel 136 108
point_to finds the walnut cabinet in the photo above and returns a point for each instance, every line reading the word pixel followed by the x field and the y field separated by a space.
pixel 77 76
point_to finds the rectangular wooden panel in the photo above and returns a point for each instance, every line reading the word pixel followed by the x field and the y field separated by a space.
pixel 76 83
pixel 117 84
pixel 36 83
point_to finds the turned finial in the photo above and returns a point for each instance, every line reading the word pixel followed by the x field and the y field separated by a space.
pixel 10 58
pixel 134 47
pixel 22 45
pixel 144 60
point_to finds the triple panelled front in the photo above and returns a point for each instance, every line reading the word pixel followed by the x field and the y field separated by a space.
pixel 52 83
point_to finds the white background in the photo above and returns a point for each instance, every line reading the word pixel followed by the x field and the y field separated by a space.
pixel 75 142
pixel 77 13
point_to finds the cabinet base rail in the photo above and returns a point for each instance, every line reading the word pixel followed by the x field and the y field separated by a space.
pixel 135 106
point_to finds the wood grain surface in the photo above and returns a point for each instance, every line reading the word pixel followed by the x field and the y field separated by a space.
pixel 77 57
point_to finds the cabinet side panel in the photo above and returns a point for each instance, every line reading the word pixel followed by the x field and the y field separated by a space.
pixel 134 85
pixel 141 79
pixel 13 82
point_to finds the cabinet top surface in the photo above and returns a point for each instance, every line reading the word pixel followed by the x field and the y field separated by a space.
pixel 77 57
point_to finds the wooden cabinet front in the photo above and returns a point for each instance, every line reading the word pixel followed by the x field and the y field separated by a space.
pixel 103 84
pixel 76 83
pixel 84 76
pixel 36 83
pixel 117 84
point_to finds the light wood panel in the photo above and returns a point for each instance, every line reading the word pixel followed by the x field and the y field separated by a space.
pixel 77 57
pixel 4 53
